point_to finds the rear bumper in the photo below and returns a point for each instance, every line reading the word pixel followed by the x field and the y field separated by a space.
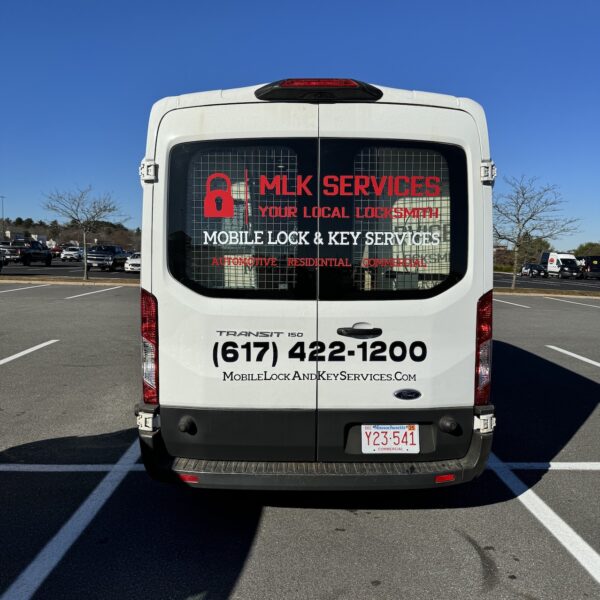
pixel 355 473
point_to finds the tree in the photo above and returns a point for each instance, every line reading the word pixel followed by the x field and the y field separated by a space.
pixel 83 211
pixel 587 249
pixel 532 248
pixel 54 229
pixel 528 211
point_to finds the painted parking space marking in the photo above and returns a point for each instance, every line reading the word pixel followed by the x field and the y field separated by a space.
pixel 578 356
pixel 29 287
pixel 25 352
pixel 96 292
pixel 103 468
pixel 29 581
pixel 585 555
pixel 512 303
pixel 52 468
pixel 553 466
pixel 572 302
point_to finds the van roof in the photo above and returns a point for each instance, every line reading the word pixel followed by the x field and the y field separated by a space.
pixel 246 95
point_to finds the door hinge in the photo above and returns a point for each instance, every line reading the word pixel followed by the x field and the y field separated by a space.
pixel 484 423
pixel 148 171
pixel 488 172
pixel 148 421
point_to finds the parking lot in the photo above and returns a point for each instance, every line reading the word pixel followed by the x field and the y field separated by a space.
pixel 504 280
pixel 58 269
pixel 81 519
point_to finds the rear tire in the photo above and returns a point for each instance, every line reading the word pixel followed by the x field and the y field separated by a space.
pixel 48 262
pixel 156 460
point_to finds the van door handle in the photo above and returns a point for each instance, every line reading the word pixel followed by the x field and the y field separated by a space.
pixel 360 333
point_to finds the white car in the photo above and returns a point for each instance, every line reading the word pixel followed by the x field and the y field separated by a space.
pixel 134 263
pixel 71 253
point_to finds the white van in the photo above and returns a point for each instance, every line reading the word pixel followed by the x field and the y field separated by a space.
pixel 561 264
pixel 316 288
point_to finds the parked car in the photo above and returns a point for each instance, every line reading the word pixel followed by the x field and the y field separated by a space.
pixel 533 270
pixel 590 266
pixel 26 252
pixel 11 253
pixel 71 253
pixel 106 258
pixel 133 263
pixel 560 264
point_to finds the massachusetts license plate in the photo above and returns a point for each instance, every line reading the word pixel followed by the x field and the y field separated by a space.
pixel 390 439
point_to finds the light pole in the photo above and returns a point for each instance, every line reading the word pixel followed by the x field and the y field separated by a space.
pixel 2 232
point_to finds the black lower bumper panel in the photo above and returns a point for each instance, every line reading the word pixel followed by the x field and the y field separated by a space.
pixel 332 475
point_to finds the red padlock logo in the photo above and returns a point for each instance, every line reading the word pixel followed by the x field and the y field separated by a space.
pixel 218 203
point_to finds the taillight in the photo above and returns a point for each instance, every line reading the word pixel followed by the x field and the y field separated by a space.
pixel 483 349
pixel 149 307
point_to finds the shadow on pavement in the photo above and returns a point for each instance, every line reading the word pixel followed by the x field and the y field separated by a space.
pixel 158 541
pixel 92 449
pixel 540 405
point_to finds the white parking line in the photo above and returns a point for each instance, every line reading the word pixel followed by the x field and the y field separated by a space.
pixel 28 582
pixel 513 303
pixel 553 466
pixel 24 352
pixel 572 302
pixel 587 557
pixel 45 468
pixel 96 292
pixel 29 287
pixel 103 468
pixel 578 356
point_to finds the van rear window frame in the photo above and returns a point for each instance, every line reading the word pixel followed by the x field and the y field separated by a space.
pixel 455 157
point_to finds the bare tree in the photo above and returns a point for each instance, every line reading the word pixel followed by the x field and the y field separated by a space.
pixel 527 211
pixel 83 211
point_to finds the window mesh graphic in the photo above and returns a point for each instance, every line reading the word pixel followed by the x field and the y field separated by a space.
pixel 414 264
pixel 373 220
pixel 242 266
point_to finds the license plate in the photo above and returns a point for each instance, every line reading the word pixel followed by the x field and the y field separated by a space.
pixel 94 264
pixel 390 439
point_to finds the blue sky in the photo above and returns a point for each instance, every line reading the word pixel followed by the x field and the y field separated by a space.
pixel 78 80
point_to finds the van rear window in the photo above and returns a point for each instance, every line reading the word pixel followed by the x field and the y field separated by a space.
pixel 336 219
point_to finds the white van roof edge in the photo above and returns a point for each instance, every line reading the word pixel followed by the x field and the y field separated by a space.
pixel 246 95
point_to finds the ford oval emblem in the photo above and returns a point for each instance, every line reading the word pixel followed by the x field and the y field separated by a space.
pixel 407 394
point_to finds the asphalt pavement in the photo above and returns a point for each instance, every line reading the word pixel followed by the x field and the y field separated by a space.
pixel 504 280
pixel 73 270
pixel 80 518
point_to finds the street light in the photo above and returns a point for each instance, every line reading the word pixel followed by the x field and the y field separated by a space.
pixel 2 197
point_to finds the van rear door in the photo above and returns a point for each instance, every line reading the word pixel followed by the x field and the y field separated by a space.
pixel 396 315
pixel 230 302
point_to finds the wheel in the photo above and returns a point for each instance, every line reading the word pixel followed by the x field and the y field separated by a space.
pixel 26 260
pixel 48 261
pixel 155 458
